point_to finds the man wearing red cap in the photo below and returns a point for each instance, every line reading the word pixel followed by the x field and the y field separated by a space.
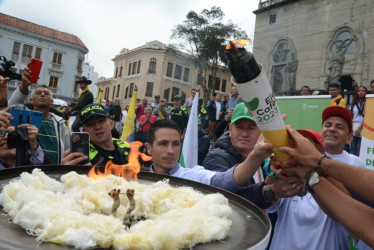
pixel 336 131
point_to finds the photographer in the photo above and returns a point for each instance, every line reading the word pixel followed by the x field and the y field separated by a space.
pixel 4 91
pixel 11 138
pixel 54 135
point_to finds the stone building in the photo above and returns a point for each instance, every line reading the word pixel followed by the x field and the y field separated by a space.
pixel 315 42
pixel 155 71
pixel 62 54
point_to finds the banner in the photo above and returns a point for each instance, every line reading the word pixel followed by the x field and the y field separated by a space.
pixel 128 132
pixel 367 141
pixel 303 112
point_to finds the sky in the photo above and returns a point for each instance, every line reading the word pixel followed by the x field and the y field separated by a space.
pixel 108 26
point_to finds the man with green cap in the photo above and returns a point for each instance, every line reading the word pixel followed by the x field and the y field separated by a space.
pixel 234 147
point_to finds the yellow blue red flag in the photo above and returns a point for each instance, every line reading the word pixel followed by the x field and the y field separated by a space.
pixel 128 132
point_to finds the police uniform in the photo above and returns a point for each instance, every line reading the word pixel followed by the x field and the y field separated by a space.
pixel 203 115
pixel 119 155
pixel 179 115
pixel 121 150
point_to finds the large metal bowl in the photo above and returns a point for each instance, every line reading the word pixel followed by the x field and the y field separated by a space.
pixel 250 228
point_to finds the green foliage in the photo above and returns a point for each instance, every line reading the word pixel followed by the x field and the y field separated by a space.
pixel 204 37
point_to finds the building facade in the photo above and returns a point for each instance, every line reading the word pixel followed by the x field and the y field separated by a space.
pixel 155 71
pixel 90 74
pixel 62 54
pixel 315 43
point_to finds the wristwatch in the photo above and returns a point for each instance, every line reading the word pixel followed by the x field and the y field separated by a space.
pixel 269 195
pixel 313 179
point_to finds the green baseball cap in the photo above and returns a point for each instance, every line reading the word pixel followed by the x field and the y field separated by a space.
pixel 241 112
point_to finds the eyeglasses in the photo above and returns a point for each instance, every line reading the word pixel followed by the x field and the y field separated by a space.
pixel 3 133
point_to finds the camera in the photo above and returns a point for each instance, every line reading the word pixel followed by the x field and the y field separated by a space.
pixel 6 71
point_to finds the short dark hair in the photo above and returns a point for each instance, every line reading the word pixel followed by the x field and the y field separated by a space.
pixel 164 123
pixel 334 85
pixel 305 86
pixel 372 81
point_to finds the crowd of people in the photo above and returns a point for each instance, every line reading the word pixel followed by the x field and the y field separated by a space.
pixel 326 201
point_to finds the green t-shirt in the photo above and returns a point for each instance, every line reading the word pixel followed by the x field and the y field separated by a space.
pixel 47 140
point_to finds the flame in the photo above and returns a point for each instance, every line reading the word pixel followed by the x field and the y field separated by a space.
pixel 238 44
pixel 129 171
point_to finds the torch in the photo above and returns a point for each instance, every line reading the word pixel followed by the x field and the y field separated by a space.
pixel 253 86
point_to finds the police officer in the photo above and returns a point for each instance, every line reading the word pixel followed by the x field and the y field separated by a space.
pixel 179 113
pixel 202 114
pixel 103 146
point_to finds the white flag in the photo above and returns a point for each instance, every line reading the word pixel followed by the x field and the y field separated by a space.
pixel 189 154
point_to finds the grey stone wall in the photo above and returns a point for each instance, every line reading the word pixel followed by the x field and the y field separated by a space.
pixel 314 31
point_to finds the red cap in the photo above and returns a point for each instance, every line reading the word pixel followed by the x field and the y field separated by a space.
pixel 338 111
pixel 311 134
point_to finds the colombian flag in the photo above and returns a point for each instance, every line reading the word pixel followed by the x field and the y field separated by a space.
pixel 128 132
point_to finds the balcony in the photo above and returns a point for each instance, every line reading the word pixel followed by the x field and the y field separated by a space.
pixel 55 91
pixel 57 68
pixel 25 59
pixel 132 76
pixel 15 57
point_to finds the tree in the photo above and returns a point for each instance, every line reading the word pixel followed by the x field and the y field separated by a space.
pixel 204 37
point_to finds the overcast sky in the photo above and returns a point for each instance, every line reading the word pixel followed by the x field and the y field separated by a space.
pixel 107 26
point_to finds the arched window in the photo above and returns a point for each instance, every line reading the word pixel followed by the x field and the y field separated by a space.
pixel 152 66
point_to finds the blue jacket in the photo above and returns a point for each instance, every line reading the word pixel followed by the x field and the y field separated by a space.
pixel 212 108
pixel 222 157
pixel 203 146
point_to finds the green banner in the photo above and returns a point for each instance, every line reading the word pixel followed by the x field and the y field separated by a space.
pixel 303 112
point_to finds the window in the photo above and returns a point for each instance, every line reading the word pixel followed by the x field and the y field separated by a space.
pixel 38 53
pixel 152 66
pixel 217 84
pixel 117 90
pixel 15 53
pixel 120 72
pixel 126 92
pixel 167 93
pixel 134 68
pixel 53 82
pixel 115 76
pixel 169 71
pixel 174 92
pixel 199 79
pixel 57 58
pixel 149 90
pixel 114 91
pixel 79 65
pixel 129 71
pixel 272 18
pixel 186 73
pixel 26 53
pixel 223 86
pixel 178 72
pixel 139 63
pixel 106 96
pixel 131 89
pixel 210 81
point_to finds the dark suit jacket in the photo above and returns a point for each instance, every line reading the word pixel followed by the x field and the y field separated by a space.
pixel 85 99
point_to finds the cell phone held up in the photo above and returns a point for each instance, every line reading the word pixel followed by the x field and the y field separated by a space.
pixel 35 65
pixel 80 142
pixel 22 116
